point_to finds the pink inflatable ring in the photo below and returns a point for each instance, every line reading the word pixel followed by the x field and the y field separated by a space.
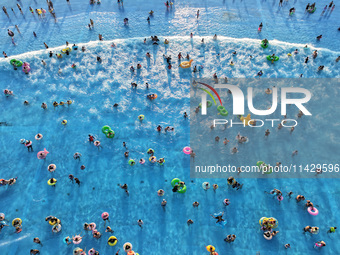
pixel 187 150
pixel 313 211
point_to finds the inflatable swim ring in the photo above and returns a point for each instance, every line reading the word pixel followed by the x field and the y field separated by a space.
pixel 38 137
pixel 56 228
pixel 182 189
pixel 210 248
pixel 263 45
pixel 141 117
pixel 268 238
pixel 105 215
pixel 187 150
pixel 311 10
pixel 92 251
pixel 132 162
pixel 127 247
pixel 51 167
pixel 16 222
pixel 226 202
pixel 79 239
pixel 152 159
pixel 264 167
pixel 246 120
pixel 65 239
pixel 108 131
pixel 63 51
pixel 206 185
pixel 49 182
pixel 186 64
pixel 54 221
pixel 141 161
pixel 222 111
pixel 112 241
pixel 16 63
pixel 175 181
pixel 313 211
pixel 26 68
pixel 153 97
pixel 162 162
pixel 150 151
pixel 270 58
pixel 42 154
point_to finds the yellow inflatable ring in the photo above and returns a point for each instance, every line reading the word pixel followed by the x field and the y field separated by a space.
pixel 66 49
pixel 52 184
pixel 112 241
pixel 39 11
pixel 186 64
pixel 52 222
pixel 210 248
pixel 16 222
pixel 152 159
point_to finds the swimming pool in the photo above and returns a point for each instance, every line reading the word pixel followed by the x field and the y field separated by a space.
pixel 95 87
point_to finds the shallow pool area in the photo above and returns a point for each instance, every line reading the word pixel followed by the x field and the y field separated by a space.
pixel 95 86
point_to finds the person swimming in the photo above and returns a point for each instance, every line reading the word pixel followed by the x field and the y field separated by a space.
pixel 299 198
pixel 108 229
pixel 124 187
pixel 91 138
pixel 218 218
pixel 230 238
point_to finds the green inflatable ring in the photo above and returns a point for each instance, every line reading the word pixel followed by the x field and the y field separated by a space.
pixel 162 163
pixel 276 58
pixel 106 129
pixel 182 189
pixel 132 162
pixel 220 108
pixel 264 46
pixel 175 181
pixel 108 135
pixel 312 11
pixel 224 112
pixel 15 62
pixel 270 170
pixel 260 165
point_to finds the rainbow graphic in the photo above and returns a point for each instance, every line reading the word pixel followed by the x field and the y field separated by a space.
pixel 209 93
pixel 221 110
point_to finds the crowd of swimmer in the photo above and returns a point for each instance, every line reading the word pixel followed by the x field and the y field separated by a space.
pixel 267 224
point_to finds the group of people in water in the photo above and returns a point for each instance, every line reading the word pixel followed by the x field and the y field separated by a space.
pixel 267 224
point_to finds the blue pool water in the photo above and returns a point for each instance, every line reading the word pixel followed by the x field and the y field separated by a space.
pixel 95 87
